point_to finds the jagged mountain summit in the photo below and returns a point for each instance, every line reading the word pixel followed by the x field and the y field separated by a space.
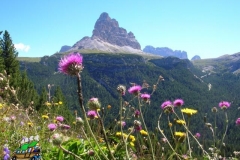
pixel 166 52
pixel 108 37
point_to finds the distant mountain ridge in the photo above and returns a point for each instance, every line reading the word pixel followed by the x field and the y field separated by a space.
pixel 165 52
pixel 196 57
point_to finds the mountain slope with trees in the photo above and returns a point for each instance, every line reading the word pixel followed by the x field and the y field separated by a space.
pixel 104 72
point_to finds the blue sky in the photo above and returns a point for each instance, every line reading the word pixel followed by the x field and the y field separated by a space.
pixel 199 27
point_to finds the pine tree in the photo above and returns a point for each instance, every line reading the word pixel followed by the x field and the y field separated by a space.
pixel 1 57
pixel 26 91
pixel 9 55
pixel 62 105
pixel 43 98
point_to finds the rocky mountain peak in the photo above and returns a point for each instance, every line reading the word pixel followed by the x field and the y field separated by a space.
pixel 104 16
pixel 108 30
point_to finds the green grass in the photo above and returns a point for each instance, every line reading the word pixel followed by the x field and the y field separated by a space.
pixel 29 59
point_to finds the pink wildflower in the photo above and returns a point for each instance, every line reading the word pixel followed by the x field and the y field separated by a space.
pixel 60 118
pixel 123 123
pixel 166 104
pixel 197 135
pixel 92 114
pixel 224 105
pixel 238 122
pixel 145 96
pixel 134 89
pixel 178 102
pixel 71 64
pixel 137 113
pixel 64 126
pixel 52 127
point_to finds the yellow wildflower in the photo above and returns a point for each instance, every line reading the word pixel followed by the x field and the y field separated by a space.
pixel 132 144
pixel 144 133
pixel 101 140
pixel 45 116
pixel 60 102
pixel 55 104
pixel 125 135
pixel 132 138
pixel 189 111
pixel 170 124
pixel 179 121
pixel 118 133
pixel 180 134
pixel 48 104
pixel 109 106
pixel 1 105
pixel 30 124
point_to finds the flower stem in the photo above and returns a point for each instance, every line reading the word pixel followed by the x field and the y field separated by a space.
pixel 215 127
pixel 89 141
pixel 166 137
pixel 151 147
pixel 80 98
pixel 184 125
pixel 68 152
pixel 105 136
pixel 225 130
pixel 122 128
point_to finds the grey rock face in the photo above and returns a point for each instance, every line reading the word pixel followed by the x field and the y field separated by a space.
pixel 165 52
pixel 64 48
pixel 108 30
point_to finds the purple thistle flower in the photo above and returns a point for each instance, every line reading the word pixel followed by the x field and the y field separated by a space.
pixel 197 135
pixel 178 102
pixel 71 64
pixel 224 105
pixel 238 122
pixel 138 128
pixel 52 127
pixel 92 114
pixel 145 96
pixel 93 99
pixel 123 123
pixel 134 89
pixel 137 113
pixel 65 126
pixel 166 104
pixel 60 118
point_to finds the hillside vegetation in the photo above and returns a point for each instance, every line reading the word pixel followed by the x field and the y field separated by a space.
pixel 104 72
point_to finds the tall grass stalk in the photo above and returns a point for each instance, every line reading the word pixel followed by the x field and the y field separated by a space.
pixel 80 98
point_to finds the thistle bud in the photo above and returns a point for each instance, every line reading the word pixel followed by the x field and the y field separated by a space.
pixel 57 139
pixel 94 104
pixel 214 109
pixel 79 121
pixel 91 153
pixel 121 89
